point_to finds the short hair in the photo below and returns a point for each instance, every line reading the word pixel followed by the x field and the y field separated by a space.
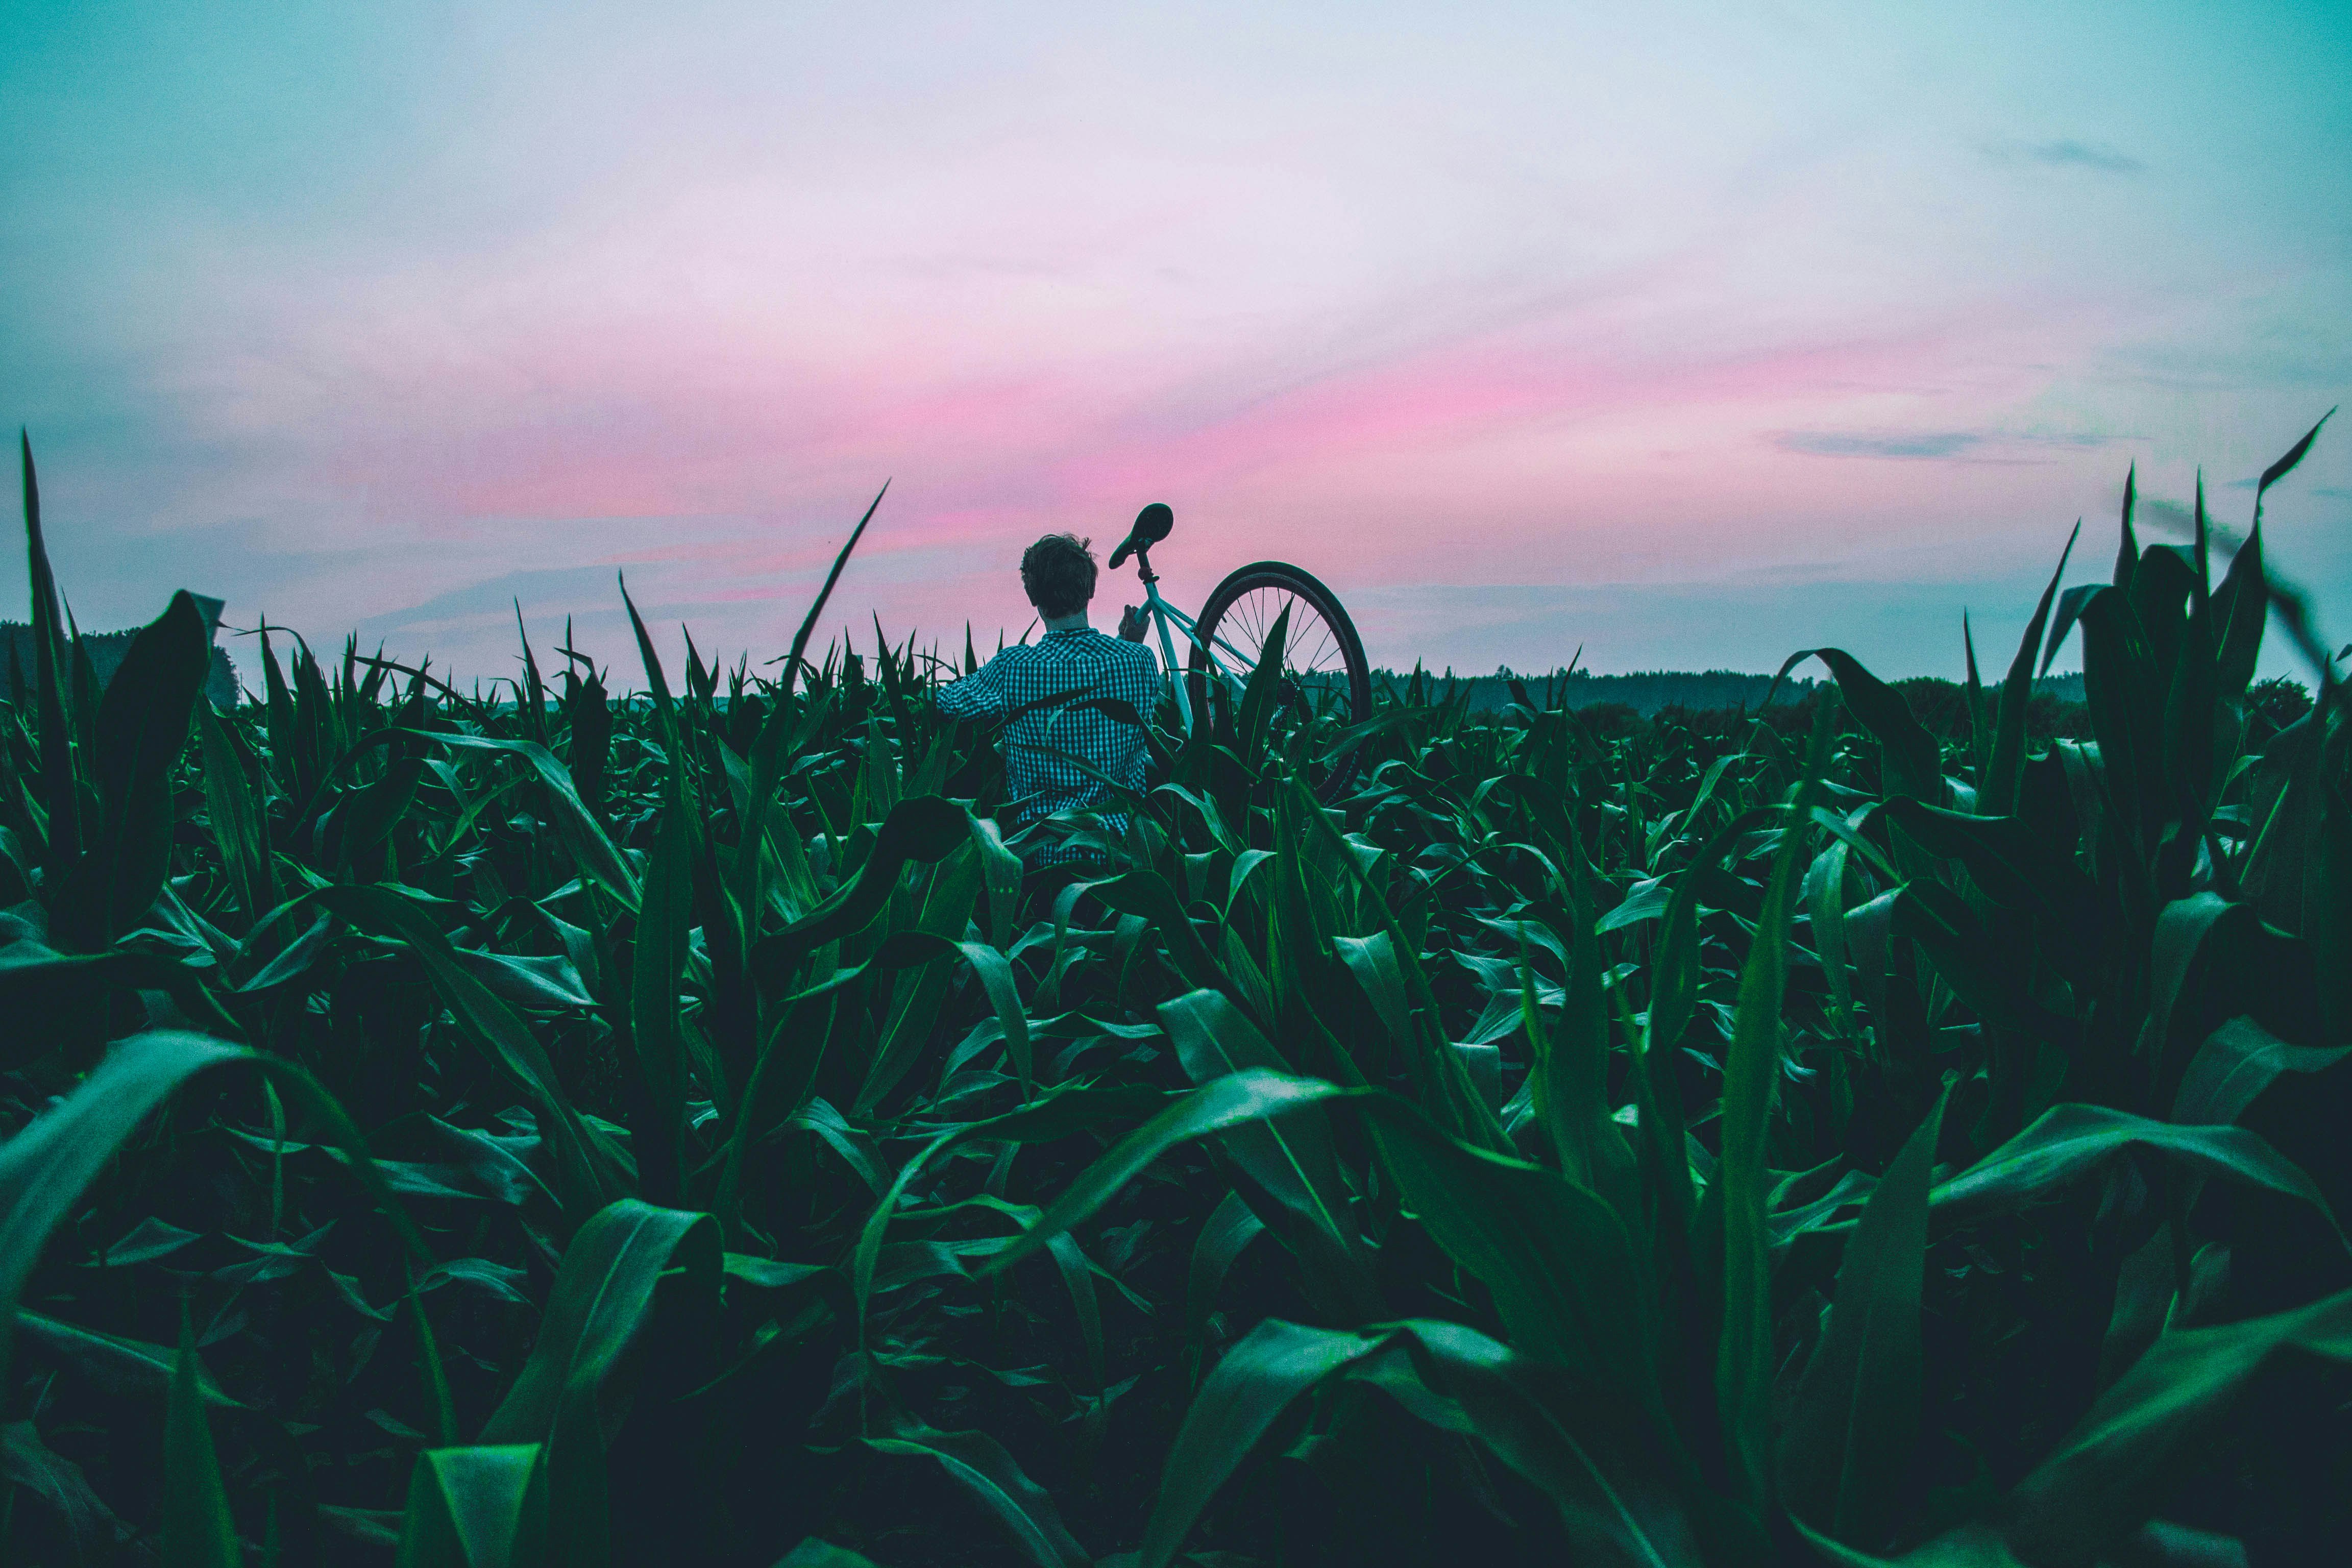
pixel 1057 573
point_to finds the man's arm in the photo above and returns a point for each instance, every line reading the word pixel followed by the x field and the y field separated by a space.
pixel 1141 691
pixel 979 695
pixel 1142 679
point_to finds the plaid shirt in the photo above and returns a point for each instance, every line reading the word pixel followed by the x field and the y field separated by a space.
pixel 1033 686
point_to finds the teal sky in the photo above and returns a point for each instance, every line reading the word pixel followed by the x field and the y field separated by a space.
pixel 1689 335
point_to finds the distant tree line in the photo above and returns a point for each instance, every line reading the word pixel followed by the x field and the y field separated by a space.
pixel 1647 691
pixel 106 651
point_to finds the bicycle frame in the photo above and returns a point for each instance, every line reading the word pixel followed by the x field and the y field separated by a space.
pixel 1162 613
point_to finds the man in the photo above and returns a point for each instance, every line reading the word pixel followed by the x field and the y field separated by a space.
pixel 1031 689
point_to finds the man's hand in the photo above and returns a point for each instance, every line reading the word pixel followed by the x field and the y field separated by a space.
pixel 1131 623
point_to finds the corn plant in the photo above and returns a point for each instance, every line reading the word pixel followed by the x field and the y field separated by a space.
pixel 547 1125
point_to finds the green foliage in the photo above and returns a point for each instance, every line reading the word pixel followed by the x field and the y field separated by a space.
pixel 561 1127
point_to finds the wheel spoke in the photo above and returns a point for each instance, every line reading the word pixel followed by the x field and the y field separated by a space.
pixel 1323 642
pixel 1318 682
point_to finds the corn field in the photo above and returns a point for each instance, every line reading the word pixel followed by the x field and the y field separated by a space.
pixel 558 1126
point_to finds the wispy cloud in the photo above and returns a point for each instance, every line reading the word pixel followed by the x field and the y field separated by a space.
pixel 2173 516
pixel 483 317
pixel 1854 444
pixel 2066 153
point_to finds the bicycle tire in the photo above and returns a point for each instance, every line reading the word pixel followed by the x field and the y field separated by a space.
pixel 1330 782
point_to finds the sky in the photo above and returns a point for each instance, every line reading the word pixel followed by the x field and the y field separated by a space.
pixel 1684 335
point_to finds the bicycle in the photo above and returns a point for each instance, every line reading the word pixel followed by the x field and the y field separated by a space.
pixel 1324 673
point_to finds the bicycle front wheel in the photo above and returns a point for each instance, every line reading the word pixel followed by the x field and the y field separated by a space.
pixel 1327 684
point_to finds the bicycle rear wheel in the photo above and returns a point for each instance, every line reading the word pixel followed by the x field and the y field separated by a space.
pixel 1327 683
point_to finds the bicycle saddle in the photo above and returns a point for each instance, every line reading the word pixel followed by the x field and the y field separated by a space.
pixel 1151 526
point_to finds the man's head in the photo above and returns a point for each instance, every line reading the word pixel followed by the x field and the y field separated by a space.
pixel 1057 573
